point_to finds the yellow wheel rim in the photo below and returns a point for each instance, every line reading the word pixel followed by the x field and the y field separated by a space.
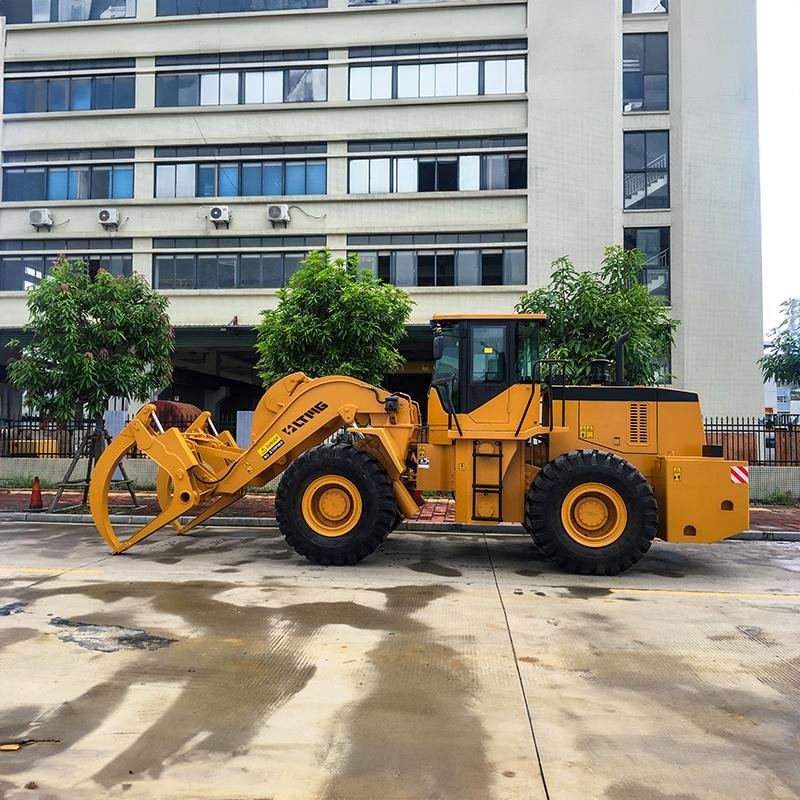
pixel 331 505
pixel 594 515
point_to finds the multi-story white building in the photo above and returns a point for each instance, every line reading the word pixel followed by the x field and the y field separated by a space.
pixel 458 146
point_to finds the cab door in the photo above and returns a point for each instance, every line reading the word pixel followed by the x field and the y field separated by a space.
pixel 488 366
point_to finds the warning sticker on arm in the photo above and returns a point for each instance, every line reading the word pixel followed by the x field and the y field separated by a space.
pixel 270 446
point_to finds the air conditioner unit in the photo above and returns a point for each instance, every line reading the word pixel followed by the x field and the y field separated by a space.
pixel 220 215
pixel 40 218
pixel 108 217
pixel 278 212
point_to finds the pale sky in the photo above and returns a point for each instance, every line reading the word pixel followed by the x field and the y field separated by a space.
pixel 779 114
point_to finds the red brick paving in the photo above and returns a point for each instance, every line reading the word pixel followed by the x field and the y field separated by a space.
pixel 440 509
pixel 254 505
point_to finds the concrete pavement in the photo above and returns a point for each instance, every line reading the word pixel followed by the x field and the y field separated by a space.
pixel 220 665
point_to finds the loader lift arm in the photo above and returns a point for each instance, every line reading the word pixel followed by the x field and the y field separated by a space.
pixel 206 469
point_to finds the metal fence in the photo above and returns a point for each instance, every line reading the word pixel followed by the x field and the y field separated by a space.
pixel 32 437
pixel 762 441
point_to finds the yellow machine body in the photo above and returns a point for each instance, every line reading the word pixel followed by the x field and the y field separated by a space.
pixel 502 432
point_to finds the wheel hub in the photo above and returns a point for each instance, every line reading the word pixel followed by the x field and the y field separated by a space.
pixel 594 514
pixel 591 513
pixel 335 504
pixel 331 505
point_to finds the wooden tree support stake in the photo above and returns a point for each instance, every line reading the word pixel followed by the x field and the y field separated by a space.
pixel 90 447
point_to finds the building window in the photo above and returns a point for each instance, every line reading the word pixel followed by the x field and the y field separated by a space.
pixel 24 262
pixel 67 180
pixel 654 243
pixel 448 267
pixel 444 259
pixel 245 179
pixel 645 72
pixel 440 173
pixel 645 6
pixel 443 70
pixel 171 8
pixel 27 11
pixel 230 269
pixel 209 173
pixel 66 91
pixel 243 86
pixel 646 181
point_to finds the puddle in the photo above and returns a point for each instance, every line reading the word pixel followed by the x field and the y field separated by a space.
pixel 108 638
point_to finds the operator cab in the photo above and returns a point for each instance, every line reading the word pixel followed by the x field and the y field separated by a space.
pixel 480 357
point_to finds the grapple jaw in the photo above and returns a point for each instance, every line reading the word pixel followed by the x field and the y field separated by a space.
pixel 191 464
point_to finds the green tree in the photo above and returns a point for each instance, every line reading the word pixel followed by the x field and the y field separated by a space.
pixel 92 339
pixel 333 319
pixel 588 311
pixel 781 362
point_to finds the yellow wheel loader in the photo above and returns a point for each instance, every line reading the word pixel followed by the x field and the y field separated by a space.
pixel 594 473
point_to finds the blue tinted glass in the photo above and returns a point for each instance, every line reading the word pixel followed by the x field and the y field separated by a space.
pixel 228 180
pixel 295 177
pixel 57 184
pixel 251 179
pixel 124 92
pixel 58 94
pixel 166 90
pixel 104 92
pixel 167 8
pixel 273 179
pixel 122 182
pixel 81 94
pixel 15 97
pixel 79 182
pixel 315 177
pixel 206 180
pixel 14 184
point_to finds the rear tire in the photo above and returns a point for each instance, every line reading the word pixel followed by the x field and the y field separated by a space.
pixel 335 505
pixel 591 513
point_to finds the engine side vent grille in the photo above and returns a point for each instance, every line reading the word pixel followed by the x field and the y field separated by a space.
pixel 639 433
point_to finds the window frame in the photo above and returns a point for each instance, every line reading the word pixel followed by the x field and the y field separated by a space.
pixel 218 165
pixel 644 73
pixel 645 170
pixel 458 61
pixel 665 246
pixel 437 159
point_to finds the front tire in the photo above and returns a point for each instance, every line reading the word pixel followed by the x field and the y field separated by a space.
pixel 335 505
pixel 591 512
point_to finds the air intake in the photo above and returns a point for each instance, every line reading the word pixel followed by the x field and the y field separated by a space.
pixel 638 429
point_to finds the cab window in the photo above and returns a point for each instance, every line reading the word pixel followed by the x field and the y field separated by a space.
pixel 527 351
pixel 487 354
pixel 447 367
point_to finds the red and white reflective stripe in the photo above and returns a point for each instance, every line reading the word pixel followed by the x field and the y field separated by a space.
pixel 740 475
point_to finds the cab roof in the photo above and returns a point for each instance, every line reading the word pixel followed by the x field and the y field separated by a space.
pixel 467 317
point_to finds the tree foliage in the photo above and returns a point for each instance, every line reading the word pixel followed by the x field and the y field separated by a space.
pixel 588 311
pixel 781 362
pixel 333 319
pixel 92 339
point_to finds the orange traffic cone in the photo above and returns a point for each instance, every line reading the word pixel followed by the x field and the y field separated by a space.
pixel 36 496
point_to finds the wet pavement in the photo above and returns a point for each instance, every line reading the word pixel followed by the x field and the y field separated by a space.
pixel 445 667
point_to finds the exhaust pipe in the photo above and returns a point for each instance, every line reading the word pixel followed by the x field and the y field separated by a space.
pixel 619 347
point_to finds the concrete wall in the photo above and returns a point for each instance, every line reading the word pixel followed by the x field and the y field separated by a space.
pixel 764 481
pixel 141 470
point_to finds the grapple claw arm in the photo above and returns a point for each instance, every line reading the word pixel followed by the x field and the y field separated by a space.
pixel 169 450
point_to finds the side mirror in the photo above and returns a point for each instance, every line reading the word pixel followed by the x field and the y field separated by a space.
pixel 438 347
